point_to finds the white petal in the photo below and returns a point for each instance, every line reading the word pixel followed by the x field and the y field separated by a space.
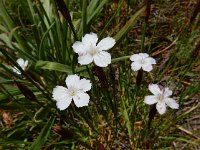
pixel 154 88
pixel 85 85
pixel 135 57
pixel 60 93
pixel 81 99
pixel 147 67
pixel 20 61
pixel 85 59
pixel 136 66
pixel 63 104
pixel 150 60
pixel 79 47
pixel 171 103
pixel 151 99
pixel 167 92
pixel 89 39
pixel 161 108
pixel 106 43
pixel 144 55
pixel 72 80
pixel 102 59
pixel 25 64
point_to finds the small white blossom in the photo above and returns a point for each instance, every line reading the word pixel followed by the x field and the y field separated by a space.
pixel 142 60
pixel 22 63
pixel 76 91
pixel 89 51
pixel 161 97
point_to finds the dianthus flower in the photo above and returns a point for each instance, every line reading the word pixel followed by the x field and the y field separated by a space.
pixel 142 60
pixel 88 50
pixel 76 91
pixel 161 97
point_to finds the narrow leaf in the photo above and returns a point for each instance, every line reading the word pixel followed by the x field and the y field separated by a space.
pixel 95 10
pixel 128 26
pixel 41 114
pixel 53 66
pixel 42 138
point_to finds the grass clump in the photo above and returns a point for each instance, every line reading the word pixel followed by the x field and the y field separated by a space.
pixel 41 102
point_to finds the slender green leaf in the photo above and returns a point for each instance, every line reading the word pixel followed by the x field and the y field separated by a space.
pixel 42 138
pixel 41 114
pixel 41 51
pixel 84 17
pixel 120 58
pixel 95 10
pixel 10 25
pixel 54 66
pixel 128 26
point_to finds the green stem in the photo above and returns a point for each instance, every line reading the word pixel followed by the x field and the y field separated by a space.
pixel 84 16
pixel 143 36
pixel 120 58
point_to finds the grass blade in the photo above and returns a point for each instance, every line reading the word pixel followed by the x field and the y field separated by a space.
pixel 53 66
pixel 42 138
pixel 128 26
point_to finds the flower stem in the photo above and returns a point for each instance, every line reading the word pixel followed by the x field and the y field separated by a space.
pixel 120 58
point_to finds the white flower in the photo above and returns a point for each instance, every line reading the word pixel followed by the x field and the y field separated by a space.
pixel 22 63
pixel 142 60
pixel 76 91
pixel 161 97
pixel 89 51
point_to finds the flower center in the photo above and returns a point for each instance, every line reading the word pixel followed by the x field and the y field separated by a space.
pixel 160 97
pixel 142 61
pixel 72 92
pixel 93 50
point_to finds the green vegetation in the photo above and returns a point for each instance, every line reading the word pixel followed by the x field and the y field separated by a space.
pixel 43 32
